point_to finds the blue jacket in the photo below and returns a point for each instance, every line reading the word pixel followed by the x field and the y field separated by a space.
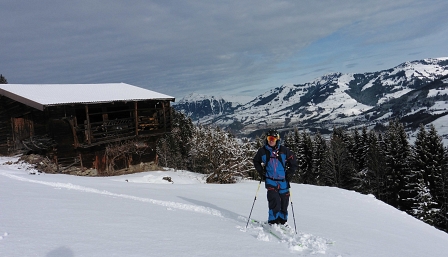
pixel 281 162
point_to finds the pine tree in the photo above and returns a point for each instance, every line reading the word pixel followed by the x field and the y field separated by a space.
pixel 297 141
pixel 295 148
pixel 397 152
pixel 3 79
pixel 437 175
pixel 436 160
pixel 442 221
pixel 183 136
pixel 292 140
pixel 357 149
pixel 373 182
pixel 320 150
pixel 425 208
pixel 174 148
pixel 412 192
pixel 363 150
pixel 338 162
pixel 305 159
pixel 288 141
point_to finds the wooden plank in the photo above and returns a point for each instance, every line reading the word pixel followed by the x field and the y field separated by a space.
pixel 75 137
pixel 88 132
pixel 136 118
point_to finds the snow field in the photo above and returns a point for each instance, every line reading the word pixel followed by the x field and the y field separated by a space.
pixel 144 215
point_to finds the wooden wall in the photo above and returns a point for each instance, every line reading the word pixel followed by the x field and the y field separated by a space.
pixel 80 134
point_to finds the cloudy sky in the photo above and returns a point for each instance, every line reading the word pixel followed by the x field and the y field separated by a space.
pixel 241 47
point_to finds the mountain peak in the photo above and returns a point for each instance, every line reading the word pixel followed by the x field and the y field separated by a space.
pixel 195 97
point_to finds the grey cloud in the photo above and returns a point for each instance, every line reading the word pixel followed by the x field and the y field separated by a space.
pixel 177 47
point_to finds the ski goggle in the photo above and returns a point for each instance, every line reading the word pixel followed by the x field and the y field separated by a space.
pixel 272 138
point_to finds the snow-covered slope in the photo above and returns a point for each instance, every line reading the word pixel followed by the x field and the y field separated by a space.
pixel 145 215
pixel 337 98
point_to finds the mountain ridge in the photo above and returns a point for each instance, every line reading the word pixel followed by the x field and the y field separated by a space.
pixel 337 99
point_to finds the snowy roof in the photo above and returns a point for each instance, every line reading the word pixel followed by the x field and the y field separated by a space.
pixel 41 95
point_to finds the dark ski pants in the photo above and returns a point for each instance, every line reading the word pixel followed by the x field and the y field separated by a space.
pixel 278 201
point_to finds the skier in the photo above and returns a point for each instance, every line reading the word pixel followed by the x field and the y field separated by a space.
pixel 275 164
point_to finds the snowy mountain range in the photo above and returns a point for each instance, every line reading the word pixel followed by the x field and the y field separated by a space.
pixel 413 92
pixel 198 106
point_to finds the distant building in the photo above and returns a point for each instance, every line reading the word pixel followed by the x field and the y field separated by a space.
pixel 92 126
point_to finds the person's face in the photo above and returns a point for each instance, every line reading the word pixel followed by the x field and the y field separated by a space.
pixel 272 141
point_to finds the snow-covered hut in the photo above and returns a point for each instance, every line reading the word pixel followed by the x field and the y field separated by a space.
pixel 81 124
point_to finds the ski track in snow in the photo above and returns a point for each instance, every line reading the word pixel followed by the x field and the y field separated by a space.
pixel 296 242
pixel 168 204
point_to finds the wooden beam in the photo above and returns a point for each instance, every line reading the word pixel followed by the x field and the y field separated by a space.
pixel 136 118
pixel 80 160
pixel 75 137
pixel 164 115
pixel 88 132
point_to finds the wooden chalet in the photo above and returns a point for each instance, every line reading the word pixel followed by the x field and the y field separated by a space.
pixel 91 126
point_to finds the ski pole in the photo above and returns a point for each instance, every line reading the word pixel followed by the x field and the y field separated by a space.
pixel 253 203
pixel 292 207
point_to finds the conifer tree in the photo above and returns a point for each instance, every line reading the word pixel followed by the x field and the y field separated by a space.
pixel 338 161
pixel 397 152
pixel 391 182
pixel 361 165
pixel 373 181
pixel 363 149
pixel 352 175
pixel 357 149
pixel 288 141
pixel 174 148
pixel 425 207
pixel 414 188
pixel 320 151
pixel 297 141
pixel 184 136
pixel 3 79
pixel 437 175
pixel 442 197
pixel 305 159
pixel 296 148
pixel 436 160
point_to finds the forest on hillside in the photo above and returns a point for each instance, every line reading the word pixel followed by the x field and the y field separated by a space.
pixel 412 178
